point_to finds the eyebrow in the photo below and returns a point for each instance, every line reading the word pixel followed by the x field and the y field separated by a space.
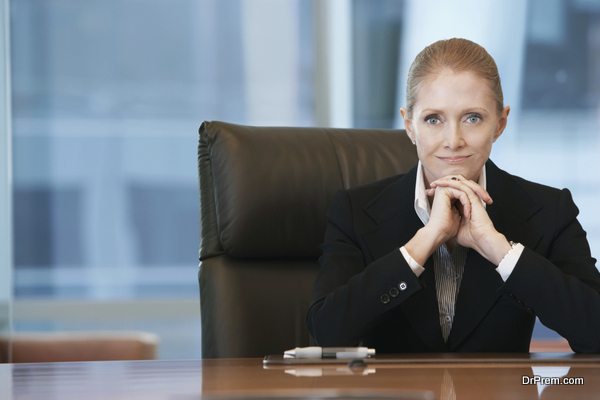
pixel 466 110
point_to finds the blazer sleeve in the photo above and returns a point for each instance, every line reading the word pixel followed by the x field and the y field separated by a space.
pixel 351 294
pixel 563 287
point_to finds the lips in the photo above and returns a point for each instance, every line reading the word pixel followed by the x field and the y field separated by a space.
pixel 454 159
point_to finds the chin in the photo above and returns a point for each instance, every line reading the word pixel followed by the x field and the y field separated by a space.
pixel 469 171
pixel 466 172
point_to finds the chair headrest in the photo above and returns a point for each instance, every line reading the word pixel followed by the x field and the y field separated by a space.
pixel 265 190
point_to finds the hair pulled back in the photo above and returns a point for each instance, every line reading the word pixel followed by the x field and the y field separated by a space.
pixel 458 55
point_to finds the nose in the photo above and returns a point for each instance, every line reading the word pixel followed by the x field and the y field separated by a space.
pixel 454 138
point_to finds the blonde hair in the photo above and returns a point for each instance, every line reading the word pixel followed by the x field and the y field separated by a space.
pixel 458 55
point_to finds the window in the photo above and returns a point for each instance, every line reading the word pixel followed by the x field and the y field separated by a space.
pixel 107 100
pixel 107 97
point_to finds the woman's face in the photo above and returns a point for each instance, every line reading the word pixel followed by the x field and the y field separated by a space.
pixel 454 123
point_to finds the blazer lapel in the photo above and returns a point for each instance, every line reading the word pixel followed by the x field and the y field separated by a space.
pixel 393 213
pixel 481 285
pixel 513 207
pixel 396 223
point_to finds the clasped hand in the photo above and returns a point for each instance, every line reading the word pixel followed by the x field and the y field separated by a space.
pixel 458 213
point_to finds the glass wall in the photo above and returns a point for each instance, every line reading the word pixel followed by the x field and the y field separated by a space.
pixel 108 95
pixel 5 196
pixel 557 140
pixel 107 100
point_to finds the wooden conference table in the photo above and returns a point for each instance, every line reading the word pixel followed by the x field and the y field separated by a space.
pixel 441 376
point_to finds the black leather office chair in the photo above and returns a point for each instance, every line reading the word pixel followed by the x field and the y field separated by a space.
pixel 264 192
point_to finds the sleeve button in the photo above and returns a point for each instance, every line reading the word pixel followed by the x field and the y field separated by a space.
pixel 384 298
pixel 402 285
pixel 394 292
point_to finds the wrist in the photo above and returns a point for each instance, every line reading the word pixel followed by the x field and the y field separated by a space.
pixel 423 244
pixel 495 247
pixel 434 236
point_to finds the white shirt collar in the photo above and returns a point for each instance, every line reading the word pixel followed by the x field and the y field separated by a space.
pixel 422 207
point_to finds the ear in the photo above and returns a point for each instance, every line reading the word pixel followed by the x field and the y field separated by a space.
pixel 407 124
pixel 502 122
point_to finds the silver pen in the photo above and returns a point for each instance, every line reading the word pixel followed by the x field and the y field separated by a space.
pixel 329 352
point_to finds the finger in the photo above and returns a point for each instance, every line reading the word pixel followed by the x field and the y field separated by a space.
pixel 470 187
pixel 464 199
pixel 456 194
pixel 480 191
pixel 473 197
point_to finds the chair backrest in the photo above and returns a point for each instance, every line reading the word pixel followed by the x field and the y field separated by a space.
pixel 29 347
pixel 264 193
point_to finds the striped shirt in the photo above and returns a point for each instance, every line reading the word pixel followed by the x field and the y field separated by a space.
pixel 448 268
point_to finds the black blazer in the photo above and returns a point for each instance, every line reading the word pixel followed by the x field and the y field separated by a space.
pixel 367 294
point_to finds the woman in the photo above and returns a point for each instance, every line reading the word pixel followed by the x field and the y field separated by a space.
pixel 456 254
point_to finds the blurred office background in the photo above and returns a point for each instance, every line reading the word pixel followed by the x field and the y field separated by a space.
pixel 106 97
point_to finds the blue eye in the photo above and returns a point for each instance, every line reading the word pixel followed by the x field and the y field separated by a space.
pixel 432 119
pixel 473 118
